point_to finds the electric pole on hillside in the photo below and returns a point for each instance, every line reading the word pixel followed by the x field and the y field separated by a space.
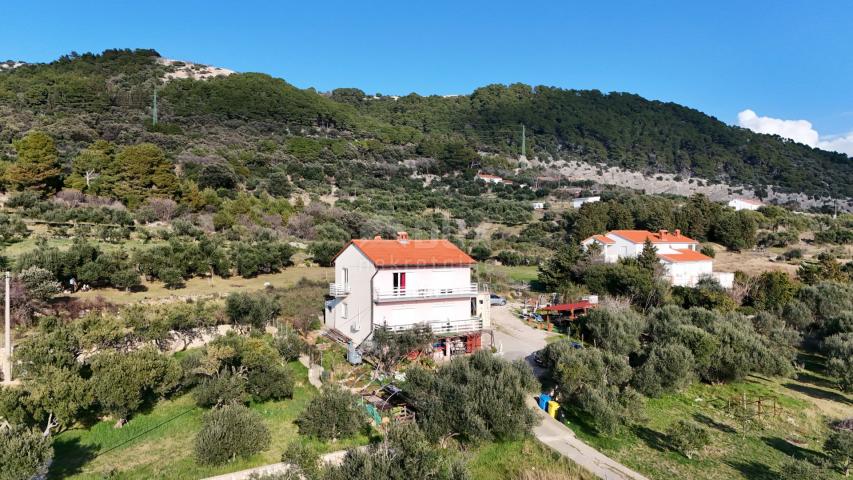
pixel 523 141
pixel 154 109
pixel 7 351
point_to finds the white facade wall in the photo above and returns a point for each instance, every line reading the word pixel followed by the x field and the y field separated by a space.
pixel 423 278
pixel 577 202
pixel 394 314
pixel 739 204
pixel 351 314
pixel 687 274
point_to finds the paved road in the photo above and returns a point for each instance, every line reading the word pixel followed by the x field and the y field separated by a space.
pixel 518 341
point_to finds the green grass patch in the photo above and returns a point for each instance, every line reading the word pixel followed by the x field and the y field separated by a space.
pixel 796 427
pixel 159 443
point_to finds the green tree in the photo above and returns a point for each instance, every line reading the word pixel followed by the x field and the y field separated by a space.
pixel 37 165
pixel 252 310
pixel 668 368
pixel 334 414
pixel 141 171
pixel 323 252
pixel 92 168
pixel 404 453
pixel 596 382
pixel 123 382
pixel 839 447
pixel 24 453
pixel 479 397
pixel 558 270
pixel 228 433
pixel 616 331
pixel 648 257
pixel 736 230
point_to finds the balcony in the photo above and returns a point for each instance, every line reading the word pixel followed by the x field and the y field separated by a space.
pixel 401 294
pixel 442 327
pixel 338 290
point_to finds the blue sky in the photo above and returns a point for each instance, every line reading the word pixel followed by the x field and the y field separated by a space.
pixel 782 59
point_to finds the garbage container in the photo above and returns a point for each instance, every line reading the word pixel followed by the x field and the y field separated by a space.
pixel 544 398
pixel 552 408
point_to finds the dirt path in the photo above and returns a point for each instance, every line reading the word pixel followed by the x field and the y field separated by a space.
pixel 333 458
pixel 515 340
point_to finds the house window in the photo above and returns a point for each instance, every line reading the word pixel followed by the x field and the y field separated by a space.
pixel 344 310
pixel 346 278
pixel 399 279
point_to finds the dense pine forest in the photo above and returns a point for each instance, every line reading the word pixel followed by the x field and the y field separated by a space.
pixel 261 125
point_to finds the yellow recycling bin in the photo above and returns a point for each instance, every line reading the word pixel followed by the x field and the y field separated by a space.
pixel 552 408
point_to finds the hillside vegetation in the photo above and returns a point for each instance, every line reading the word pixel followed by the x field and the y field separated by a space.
pixel 83 98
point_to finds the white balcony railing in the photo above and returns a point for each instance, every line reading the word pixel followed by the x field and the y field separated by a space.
pixel 396 294
pixel 440 327
pixel 338 290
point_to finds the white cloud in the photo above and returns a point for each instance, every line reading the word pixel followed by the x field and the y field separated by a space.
pixel 797 130
pixel 838 143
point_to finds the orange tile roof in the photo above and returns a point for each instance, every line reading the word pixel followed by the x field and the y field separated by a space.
pixel 602 239
pixel 396 253
pixel 684 255
pixel 640 236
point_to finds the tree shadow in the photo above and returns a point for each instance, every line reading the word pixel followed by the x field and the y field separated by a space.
pixel 793 450
pixel 653 439
pixel 710 422
pixel 754 470
pixel 819 393
pixel 806 377
pixel 69 456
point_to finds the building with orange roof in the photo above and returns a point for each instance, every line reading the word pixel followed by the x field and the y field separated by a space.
pixel 679 254
pixel 400 283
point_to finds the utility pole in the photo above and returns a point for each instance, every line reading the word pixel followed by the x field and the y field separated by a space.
pixel 523 141
pixel 7 352
pixel 154 109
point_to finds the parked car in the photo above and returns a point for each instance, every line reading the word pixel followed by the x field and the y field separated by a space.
pixel 497 300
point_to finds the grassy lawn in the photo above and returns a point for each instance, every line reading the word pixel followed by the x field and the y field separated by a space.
pixel 210 287
pixel 159 443
pixel 806 404
pixel 500 277
pixel 522 460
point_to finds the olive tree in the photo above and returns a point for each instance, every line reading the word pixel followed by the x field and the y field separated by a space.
pixel 24 453
pixel 230 432
pixel 333 414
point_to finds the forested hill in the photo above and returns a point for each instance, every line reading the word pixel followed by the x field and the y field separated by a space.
pixel 82 98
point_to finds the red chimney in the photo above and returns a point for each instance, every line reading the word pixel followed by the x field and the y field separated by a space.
pixel 378 237
pixel 677 232
pixel 402 237
pixel 661 233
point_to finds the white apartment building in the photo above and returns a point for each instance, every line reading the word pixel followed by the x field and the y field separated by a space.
pixel 745 204
pixel 401 283
pixel 683 264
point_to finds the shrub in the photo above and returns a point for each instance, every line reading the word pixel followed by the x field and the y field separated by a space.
pixel 289 344
pixel 839 447
pixel 303 457
pixel 229 432
pixel 224 388
pixel 273 382
pixel 24 453
pixel 324 252
pixel 799 469
pixel 485 390
pixel 333 414
pixel 251 309
pixel 688 437
pixel 667 368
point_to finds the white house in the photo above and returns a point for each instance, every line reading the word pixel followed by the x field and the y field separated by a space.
pixel 679 254
pixel 401 283
pixel 490 178
pixel 538 205
pixel 577 202
pixel 745 204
